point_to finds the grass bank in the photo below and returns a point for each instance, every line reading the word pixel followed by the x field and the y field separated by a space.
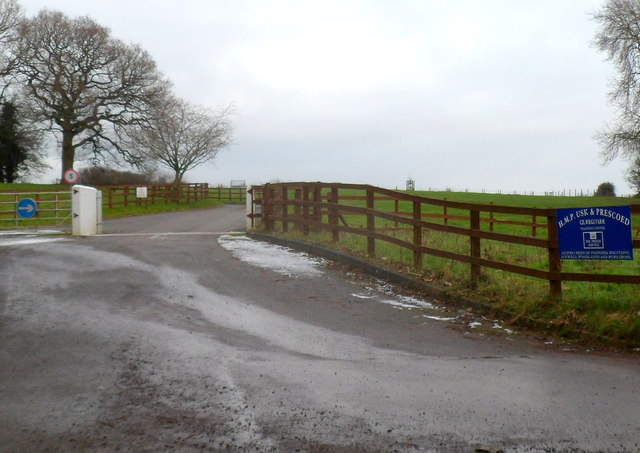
pixel 124 211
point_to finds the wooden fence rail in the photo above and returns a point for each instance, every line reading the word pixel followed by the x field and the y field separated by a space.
pixel 126 195
pixel 231 194
pixel 323 206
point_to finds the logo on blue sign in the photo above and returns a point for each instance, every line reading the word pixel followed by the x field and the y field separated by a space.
pixel 595 233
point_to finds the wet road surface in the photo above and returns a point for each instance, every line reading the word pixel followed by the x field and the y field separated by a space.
pixel 166 334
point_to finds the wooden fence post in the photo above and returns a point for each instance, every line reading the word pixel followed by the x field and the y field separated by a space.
pixel 297 209
pixel 396 210
pixel 285 208
pixel 371 226
pixel 333 214
pixel 555 264
pixel 445 213
pixel 417 235
pixel 317 198
pixel 534 228
pixel 305 210
pixel 264 202
pixel 475 245
pixel 491 218
pixel 267 207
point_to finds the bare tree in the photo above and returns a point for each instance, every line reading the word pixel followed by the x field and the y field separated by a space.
pixel 10 16
pixel 633 175
pixel 83 84
pixel 181 136
pixel 619 38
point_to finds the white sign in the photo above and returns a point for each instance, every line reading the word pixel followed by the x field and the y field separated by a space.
pixel 70 176
pixel 141 192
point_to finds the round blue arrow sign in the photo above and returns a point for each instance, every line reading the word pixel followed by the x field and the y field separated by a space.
pixel 27 208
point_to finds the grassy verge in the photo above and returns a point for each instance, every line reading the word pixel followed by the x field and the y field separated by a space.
pixel 132 209
pixel 599 310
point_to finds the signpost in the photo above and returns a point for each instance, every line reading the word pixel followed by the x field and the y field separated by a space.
pixel 71 176
pixel 27 208
pixel 602 233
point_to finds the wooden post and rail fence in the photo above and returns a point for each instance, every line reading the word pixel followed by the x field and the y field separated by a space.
pixel 125 195
pixel 378 214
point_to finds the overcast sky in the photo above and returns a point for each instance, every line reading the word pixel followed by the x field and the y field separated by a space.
pixel 494 95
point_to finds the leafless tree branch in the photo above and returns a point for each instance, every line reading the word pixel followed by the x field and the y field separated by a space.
pixel 619 39
pixel 181 136
pixel 84 83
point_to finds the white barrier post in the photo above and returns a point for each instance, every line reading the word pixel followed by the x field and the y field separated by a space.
pixel 253 210
pixel 249 201
pixel 99 212
pixel 84 208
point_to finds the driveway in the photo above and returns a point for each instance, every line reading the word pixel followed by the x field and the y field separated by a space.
pixel 170 334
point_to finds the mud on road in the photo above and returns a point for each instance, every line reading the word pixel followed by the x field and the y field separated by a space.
pixel 154 338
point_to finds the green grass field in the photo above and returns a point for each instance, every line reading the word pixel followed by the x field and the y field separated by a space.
pixel 598 309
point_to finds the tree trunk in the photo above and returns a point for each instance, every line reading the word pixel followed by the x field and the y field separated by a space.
pixel 68 152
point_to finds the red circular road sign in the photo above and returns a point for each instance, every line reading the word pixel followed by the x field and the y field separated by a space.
pixel 70 176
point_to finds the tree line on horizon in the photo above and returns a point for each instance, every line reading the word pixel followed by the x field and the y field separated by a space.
pixel 102 99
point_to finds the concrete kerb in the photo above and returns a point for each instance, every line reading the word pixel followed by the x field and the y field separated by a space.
pixel 430 289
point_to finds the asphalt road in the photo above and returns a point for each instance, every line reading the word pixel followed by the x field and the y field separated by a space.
pixel 165 334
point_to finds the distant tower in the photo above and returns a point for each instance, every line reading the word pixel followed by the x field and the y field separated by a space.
pixel 411 184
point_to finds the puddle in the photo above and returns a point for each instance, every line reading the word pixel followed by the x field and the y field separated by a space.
pixel 398 300
pixel 279 259
pixel 440 318
pixel 362 296
pixel 29 240
pixel 398 305
pixel 28 232
pixel 504 329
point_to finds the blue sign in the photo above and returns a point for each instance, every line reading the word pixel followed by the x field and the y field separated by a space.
pixel 595 233
pixel 27 208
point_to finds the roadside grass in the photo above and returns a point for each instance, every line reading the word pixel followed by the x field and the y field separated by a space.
pixel 597 310
pixel 143 209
